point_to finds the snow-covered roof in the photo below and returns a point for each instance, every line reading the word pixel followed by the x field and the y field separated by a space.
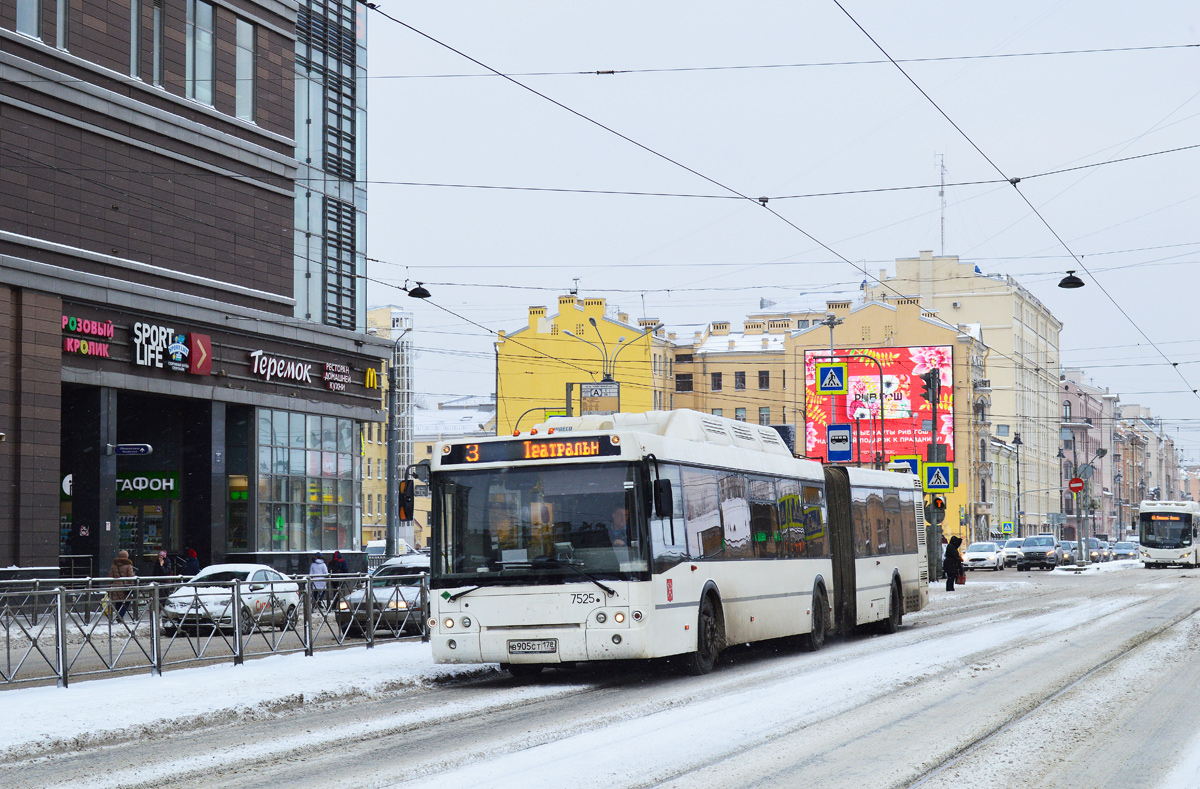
pixel 473 402
pixel 740 342
pixel 443 423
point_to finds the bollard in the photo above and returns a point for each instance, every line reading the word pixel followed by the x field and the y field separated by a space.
pixel 60 639
pixel 238 646
pixel 308 640
pixel 370 628
pixel 155 645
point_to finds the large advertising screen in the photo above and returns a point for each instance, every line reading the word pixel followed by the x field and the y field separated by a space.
pixel 907 416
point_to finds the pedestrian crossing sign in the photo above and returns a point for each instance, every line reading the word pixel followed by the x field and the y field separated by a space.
pixel 1006 527
pixel 831 378
pixel 938 477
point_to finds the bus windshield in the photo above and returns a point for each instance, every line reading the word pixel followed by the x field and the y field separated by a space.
pixel 539 524
pixel 1166 529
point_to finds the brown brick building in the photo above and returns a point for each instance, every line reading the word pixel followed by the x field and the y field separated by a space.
pixel 157 283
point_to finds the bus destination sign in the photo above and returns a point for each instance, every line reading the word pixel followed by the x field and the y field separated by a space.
pixel 530 449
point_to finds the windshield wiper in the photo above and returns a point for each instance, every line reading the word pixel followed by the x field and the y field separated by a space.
pixel 546 562
pixel 456 595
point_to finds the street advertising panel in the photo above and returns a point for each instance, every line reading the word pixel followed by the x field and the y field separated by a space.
pixel 907 416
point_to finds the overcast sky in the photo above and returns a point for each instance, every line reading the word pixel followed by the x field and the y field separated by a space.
pixel 781 99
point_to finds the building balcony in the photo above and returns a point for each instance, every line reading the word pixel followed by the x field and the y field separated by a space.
pixel 982 385
pixel 982 507
pixel 983 468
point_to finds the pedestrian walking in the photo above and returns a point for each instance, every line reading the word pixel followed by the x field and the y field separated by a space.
pixel 118 593
pixel 319 571
pixel 338 567
pixel 191 565
pixel 952 565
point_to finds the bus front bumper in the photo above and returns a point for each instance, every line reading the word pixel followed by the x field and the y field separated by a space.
pixel 544 646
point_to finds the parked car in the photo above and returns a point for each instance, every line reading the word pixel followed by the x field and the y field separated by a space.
pixel 1040 550
pixel 1125 550
pixel 396 588
pixel 983 556
pixel 1012 551
pixel 1070 550
pixel 267 597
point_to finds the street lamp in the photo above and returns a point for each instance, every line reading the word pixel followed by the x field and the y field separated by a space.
pixel 609 365
pixel 1016 442
pixel 393 452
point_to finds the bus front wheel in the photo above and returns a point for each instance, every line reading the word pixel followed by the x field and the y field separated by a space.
pixel 708 640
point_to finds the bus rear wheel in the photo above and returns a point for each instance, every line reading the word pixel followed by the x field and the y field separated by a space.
pixel 895 611
pixel 708 640
pixel 815 638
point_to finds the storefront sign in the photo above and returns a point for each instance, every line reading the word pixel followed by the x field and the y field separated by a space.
pixel 155 345
pixel 200 358
pixel 278 367
pixel 372 379
pixel 137 485
pixel 336 376
pixel 86 347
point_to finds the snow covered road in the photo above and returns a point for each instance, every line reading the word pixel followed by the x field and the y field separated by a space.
pixel 1038 679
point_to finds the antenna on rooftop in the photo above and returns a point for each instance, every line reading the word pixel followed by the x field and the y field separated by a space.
pixel 942 196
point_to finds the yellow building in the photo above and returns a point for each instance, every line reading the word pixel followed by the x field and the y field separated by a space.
pixel 581 359
pixel 374 483
pixel 907 340
pixel 1022 387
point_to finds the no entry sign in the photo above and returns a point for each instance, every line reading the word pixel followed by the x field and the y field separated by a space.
pixel 1075 485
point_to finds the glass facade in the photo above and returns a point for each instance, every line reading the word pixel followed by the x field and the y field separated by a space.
pixel 331 196
pixel 309 482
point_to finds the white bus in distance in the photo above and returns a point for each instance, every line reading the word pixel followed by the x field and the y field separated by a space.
pixel 1167 533
pixel 668 533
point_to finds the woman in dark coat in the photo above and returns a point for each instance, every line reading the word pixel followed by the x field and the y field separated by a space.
pixel 953 563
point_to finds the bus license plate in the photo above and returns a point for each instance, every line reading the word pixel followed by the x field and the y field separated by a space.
pixel 537 647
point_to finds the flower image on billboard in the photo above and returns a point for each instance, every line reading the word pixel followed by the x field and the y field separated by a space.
pixel 906 414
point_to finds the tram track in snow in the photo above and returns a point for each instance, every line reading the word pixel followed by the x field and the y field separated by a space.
pixel 970 748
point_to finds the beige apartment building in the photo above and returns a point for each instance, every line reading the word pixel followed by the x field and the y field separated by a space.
pixel 741 372
pixel 907 340
pixel 1022 363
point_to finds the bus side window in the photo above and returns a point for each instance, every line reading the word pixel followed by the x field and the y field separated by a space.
pixel 816 541
pixel 668 537
pixel 703 514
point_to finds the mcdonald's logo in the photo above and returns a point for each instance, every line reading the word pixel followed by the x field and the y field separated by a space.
pixel 372 381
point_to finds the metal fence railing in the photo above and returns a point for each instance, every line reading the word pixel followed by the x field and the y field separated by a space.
pixel 69 628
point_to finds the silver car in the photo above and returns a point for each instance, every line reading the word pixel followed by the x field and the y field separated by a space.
pixel 267 596
pixel 395 601
pixel 1012 551
pixel 1040 550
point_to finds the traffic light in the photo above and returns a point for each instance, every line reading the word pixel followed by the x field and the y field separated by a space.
pixel 404 503
pixel 931 385
pixel 935 511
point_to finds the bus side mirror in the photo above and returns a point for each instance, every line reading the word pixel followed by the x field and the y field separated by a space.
pixel 664 501
pixel 404 507
pixel 421 471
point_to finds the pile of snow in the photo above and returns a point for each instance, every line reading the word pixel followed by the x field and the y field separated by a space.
pixel 50 718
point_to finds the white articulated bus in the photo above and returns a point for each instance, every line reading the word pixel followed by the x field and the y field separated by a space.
pixel 1167 531
pixel 633 536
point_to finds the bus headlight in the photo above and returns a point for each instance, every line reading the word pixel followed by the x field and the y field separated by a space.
pixel 449 623
pixel 618 617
